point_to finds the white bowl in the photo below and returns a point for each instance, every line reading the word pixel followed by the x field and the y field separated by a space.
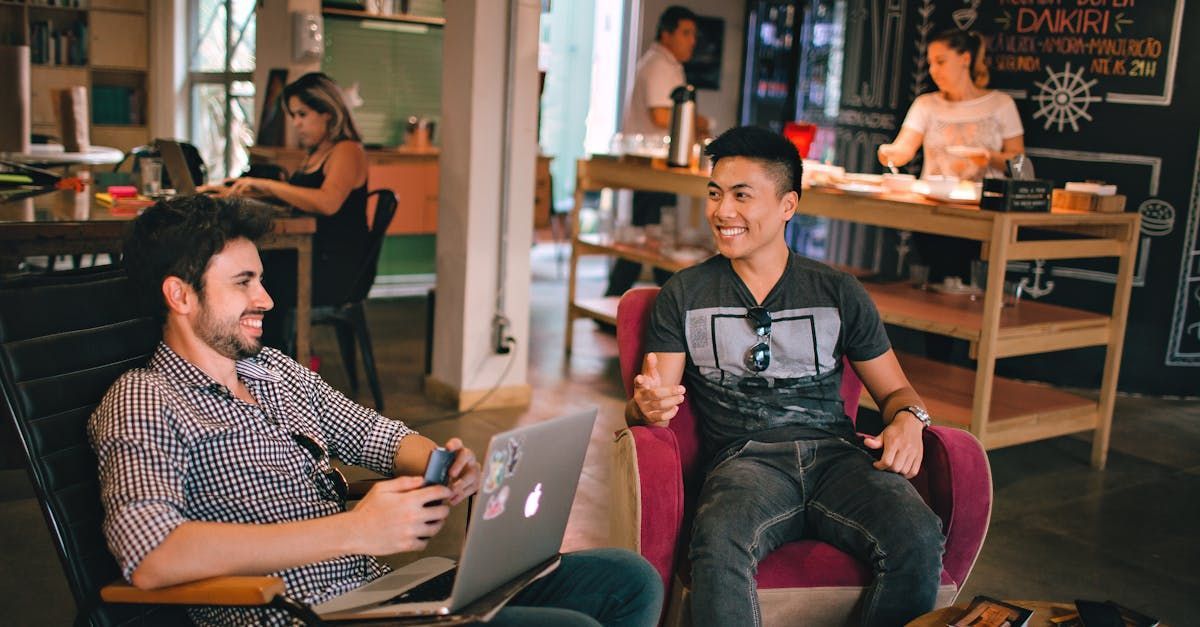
pixel 940 185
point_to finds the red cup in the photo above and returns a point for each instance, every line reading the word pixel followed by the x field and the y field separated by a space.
pixel 801 134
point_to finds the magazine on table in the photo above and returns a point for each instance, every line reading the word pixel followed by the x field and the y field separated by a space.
pixel 988 612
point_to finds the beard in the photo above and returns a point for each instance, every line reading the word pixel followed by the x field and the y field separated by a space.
pixel 225 336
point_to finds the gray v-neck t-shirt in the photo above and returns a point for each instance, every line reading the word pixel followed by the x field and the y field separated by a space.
pixel 818 315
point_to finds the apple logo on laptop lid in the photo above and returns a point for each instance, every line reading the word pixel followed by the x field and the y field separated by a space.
pixel 533 501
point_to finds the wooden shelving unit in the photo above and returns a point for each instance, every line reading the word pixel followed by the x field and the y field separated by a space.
pixel 1000 412
pixel 117 57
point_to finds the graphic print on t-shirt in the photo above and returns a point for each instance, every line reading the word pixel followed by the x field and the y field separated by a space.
pixel 983 132
pixel 802 343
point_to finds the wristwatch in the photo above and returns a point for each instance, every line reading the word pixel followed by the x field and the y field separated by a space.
pixel 919 412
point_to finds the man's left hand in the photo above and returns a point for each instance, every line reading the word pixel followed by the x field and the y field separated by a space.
pixel 464 472
pixel 902 447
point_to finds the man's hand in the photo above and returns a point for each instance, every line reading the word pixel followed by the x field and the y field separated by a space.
pixel 464 472
pixel 656 403
pixel 901 444
pixel 395 516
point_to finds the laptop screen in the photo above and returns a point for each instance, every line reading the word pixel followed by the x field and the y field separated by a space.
pixel 176 166
pixel 521 510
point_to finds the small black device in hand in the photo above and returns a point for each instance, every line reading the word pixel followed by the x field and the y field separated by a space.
pixel 437 471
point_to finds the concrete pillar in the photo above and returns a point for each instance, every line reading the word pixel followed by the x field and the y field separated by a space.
pixel 488 158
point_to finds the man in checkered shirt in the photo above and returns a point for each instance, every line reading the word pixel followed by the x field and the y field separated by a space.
pixel 215 458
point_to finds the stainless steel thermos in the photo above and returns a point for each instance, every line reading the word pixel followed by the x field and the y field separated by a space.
pixel 683 126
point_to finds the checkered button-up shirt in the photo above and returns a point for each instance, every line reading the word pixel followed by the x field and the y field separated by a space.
pixel 176 446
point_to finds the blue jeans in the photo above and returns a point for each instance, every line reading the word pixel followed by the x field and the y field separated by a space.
pixel 765 495
pixel 611 587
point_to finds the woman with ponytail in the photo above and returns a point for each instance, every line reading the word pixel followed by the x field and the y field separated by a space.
pixel 966 130
pixel 331 184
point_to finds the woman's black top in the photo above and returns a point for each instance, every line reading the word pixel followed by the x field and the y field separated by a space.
pixel 339 243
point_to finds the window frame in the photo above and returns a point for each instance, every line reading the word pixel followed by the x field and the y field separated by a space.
pixel 225 78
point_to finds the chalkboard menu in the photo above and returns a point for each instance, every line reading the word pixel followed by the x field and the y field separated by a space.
pixel 1099 85
pixel 1069 54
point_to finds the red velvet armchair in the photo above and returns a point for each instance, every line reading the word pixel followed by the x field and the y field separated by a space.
pixel 657 475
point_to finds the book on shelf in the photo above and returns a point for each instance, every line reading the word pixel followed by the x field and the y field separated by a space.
pixel 48 46
pixel 985 611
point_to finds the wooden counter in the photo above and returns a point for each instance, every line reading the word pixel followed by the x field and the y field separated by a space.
pixel 411 174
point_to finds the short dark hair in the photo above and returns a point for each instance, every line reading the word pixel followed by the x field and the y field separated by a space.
pixel 670 18
pixel 771 149
pixel 178 237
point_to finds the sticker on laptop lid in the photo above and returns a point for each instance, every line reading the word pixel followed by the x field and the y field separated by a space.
pixel 497 470
pixel 496 503
pixel 514 456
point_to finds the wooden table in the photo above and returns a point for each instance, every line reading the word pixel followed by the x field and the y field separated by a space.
pixel 70 223
pixel 1000 412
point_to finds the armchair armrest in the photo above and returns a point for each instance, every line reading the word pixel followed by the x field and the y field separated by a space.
pixel 956 481
pixel 212 591
pixel 660 496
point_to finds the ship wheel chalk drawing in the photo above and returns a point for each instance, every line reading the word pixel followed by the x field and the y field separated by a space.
pixel 1065 98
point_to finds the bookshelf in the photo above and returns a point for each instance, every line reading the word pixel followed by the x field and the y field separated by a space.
pixel 102 45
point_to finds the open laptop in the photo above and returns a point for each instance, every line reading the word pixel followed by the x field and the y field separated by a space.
pixel 176 166
pixel 516 524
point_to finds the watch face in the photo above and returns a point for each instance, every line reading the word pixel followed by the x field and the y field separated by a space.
pixel 921 414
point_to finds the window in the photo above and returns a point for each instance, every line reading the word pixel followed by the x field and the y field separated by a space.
pixel 221 40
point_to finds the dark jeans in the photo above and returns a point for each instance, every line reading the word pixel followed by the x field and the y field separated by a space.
pixel 647 209
pixel 611 587
pixel 768 494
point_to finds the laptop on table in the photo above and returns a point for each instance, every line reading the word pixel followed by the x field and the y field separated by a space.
pixel 515 530
pixel 175 163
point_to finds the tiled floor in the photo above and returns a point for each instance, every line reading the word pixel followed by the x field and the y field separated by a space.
pixel 1059 529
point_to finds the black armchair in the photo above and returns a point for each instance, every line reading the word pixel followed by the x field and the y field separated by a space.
pixel 64 339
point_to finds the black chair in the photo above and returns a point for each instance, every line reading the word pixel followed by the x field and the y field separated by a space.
pixel 349 318
pixel 64 339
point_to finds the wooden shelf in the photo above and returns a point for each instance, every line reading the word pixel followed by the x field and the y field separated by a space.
pixel 647 254
pixel 603 309
pixel 1026 328
pixel 44 7
pixel 1020 412
pixel 393 17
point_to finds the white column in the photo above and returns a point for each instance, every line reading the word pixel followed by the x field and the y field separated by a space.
pixel 488 156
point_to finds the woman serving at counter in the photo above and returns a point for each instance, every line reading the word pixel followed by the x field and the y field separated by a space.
pixel 332 184
pixel 965 130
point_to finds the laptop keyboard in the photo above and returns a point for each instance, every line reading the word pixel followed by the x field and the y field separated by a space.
pixel 435 589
